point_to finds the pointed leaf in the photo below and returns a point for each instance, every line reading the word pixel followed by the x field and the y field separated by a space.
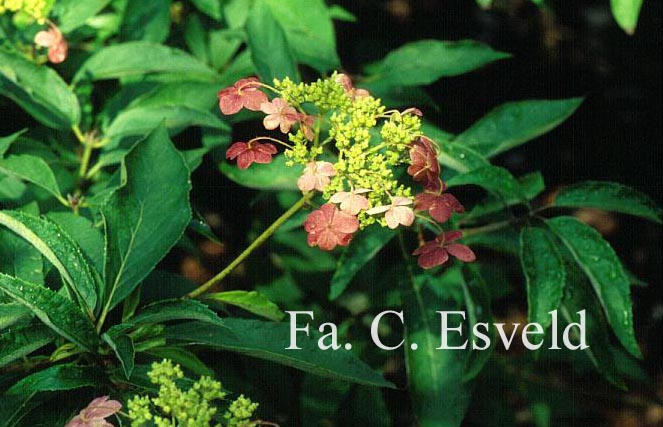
pixel 32 169
pixel 269 48
pixel 74 13
pixel 544 272
pixel 19 342
pixel 57 378
pixel 56 311
pixel 176 309
pixel 494 179
pixel 250 301
pixel 7 141
pixel 267 340
pixel 309 30
pixel 138 58
pixel 12 313
pixel 147 215
pixel 123 346
pixel 626 13
pixel 598 260
pixel 515 123
pixel 363 249
pixel 609 196
pixel 425 61
pixel 38 90
pixel 439 395
pixel 60 250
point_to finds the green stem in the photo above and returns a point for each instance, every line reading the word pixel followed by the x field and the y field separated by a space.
pixel 253 246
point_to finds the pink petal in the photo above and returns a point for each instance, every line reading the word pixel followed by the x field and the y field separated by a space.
pixel 230 104
pixel 76 422
pixel 45 38
pixel 325 168
pixel 245 159
pixel 271 122
pixel 236 149
pixel 392 219
pixel 327 240
pixel 268 108
pixel 253 99
pixel 354 204
pixel 461 252
pixel 378 210
pixel 401 201
pixel 306 182
pixel 425 248
pixel 58 52
pixel 340 197
pixel 440 212
pixel 433 258
pixel 450 236
pixel 321 182
pixel 102 410
pixel 267 148
pixel 404 215
pixel 344 223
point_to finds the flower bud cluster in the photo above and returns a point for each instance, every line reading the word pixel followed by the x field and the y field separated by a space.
pixel 195 407
pixel 35 9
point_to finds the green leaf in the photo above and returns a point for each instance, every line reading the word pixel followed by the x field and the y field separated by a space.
pixel 273 176
pixel 250 301
pixel 147 20
pixel 84 233
pixel 123 347
pixel 55 310
pixel 211 8
pixel 609 196
pixel 12 313
pixel 7 141
pixel 515 123
pixel 142 120
pixel 626 13
pixel 496 180
pixel 19 258
pixel 531 184
pixel 32 169
pixel 340 13
pixel 545 274
pixel 309 31
pixel 38 90
pixel 477 307
pixel 598 260
pixel 57 378
pixel 270 51
pixel 19 342
pixel 74 13
pixel 363 249
pixel 439 394
pixel 60 250
pixel 267 340
pixel 425 61
pixel 138 58
pixel 147 215
pixel 180 309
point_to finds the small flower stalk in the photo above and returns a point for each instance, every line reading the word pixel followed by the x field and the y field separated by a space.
pixel 352 151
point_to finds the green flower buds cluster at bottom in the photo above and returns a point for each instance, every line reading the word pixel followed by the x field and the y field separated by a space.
pixel 195 407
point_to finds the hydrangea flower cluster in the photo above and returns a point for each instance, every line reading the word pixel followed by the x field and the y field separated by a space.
pixel 353 151
pixel 174 407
